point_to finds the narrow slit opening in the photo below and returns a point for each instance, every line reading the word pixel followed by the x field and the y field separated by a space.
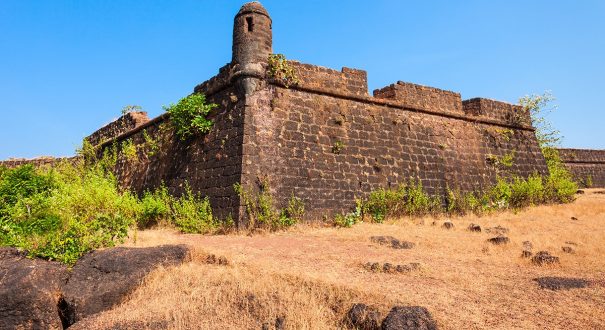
pixel 250 24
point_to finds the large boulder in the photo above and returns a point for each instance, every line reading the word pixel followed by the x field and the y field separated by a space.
pixel 102 279
pixel 409 318
pixel 29 291
pixel 363 317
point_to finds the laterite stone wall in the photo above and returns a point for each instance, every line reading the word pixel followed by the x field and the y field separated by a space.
pixel 585 165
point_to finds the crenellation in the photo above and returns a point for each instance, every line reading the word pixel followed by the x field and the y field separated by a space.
pixel 125 123
pixel 421 97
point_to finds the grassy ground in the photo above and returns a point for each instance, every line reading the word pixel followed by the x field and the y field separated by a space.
pixel 311 275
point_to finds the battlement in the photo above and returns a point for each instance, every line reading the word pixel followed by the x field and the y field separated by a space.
pixel 586 166
pixel 422 97
pixel 582 156
pixel 42 161
pixel 496 110
pixel 117 127
pixel 345 82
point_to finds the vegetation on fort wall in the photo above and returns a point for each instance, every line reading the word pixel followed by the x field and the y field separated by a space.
pixel 262 212
pixel 60 213
pixel 281 71
pixel 189 116
pixel 509 192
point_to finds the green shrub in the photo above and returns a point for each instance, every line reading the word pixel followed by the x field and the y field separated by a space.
pixel 351 218
pixel 280 70
pixel 155 207
pixel 63 212
pixel 409 199
pixel 459 203
pixel 193 214
pixel 189 116
pixel 129 150
pixel 262 212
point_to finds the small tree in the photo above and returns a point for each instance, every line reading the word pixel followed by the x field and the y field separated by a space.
pixel 549 138
pixel 131 108
pixel 539 107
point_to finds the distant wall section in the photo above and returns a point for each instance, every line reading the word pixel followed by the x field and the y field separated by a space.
pixel 585 165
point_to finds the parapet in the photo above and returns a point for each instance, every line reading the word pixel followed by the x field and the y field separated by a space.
pixel 117 127
pixel 345 82
pixel 496 110
pixel 42 161
pixel 421 97
pixel 582 156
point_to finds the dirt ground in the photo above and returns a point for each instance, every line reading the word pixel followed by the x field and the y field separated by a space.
pixel 464 281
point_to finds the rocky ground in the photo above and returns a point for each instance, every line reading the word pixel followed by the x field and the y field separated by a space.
pixel 541 268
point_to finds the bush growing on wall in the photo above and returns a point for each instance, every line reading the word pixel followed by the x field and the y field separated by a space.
pixel 190 115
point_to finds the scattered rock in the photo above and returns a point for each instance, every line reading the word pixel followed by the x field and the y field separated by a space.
pixel 474 227
pixel 544 258
pixel 571 243
pixel 527 245
pixel 448 225
pixel 372 266
pixel 498 240
pixel 363 317
pixel 408 268
pixel 392 242
pixel 390 268
pixel 526 254
pixel 408 318
pixel 568 249
pixel 600 192
pixel 280 323
pixel 574 218
pixel 212 259
pixel 561 283
pixel 497 230
pixel 30 291
pixel 579 191
pixel 101 279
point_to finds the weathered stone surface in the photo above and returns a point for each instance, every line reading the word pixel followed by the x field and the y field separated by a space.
pixel 29 291
pixel 474 227
pixel 498 240
pixel 409 318
pixel 392 242
pixel 363 317
pixel 497 230
pixel 586 166
pixel 544 258
pixel 561 283
pixel 102 279
pixel 527 245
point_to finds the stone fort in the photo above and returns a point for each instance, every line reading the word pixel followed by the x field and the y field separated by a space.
pixel 324 139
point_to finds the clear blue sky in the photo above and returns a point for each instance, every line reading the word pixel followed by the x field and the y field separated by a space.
pixel 68 67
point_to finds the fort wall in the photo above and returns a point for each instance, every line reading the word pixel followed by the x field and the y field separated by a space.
pixel 324 139
pixel 327 142
pixel 585 165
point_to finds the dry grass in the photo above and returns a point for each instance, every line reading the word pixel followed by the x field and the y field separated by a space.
pixel 312 275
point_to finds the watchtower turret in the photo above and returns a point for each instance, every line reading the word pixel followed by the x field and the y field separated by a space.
pixel 252 36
